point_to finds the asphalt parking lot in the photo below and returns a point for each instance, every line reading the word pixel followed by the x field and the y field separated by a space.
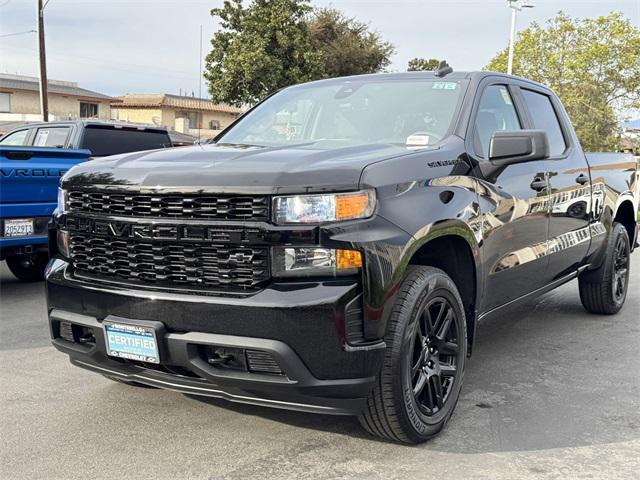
pixel 551 393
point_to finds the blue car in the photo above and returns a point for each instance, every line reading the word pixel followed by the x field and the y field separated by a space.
pixel 33 159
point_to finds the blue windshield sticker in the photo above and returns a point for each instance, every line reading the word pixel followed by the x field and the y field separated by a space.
pixel 444 86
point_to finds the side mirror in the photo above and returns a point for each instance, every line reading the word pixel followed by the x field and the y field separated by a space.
pixel 518 146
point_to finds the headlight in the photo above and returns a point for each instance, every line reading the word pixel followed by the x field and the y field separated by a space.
pixel 310 261
pixel 323 208
pixel 62 201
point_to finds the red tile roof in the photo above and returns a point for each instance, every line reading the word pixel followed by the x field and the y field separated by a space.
pixel 172 101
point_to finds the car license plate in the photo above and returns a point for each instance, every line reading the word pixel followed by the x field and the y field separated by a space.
pixel 18 227
pixel 133 342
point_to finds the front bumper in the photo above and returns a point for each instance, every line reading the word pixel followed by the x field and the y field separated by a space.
pixel 27 244
pixel 300 325
pixel 22 246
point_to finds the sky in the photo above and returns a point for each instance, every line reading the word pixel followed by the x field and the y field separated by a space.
pixel 153 46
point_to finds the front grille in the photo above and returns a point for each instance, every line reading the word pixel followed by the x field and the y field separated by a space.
pixel 150 205
pixel 161 264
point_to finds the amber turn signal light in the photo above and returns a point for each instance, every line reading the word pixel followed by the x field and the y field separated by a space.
pixel 353 206
pixel 348 259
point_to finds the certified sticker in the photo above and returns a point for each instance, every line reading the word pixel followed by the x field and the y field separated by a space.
pixel 133 342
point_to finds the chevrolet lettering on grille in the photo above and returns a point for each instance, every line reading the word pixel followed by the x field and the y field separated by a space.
pixel 199 233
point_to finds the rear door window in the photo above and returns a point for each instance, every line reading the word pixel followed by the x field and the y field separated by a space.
pixel 52 137
pixel 16 138
pixel 495 113
pixel 111 141
pixel 544 118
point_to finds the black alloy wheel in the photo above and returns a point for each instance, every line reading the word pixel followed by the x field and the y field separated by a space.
pixel 621 268
pixel 426 347
pixel 604 289
pixel 434 360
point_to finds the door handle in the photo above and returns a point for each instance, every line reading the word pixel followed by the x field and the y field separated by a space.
pixel 539 184
pixel 582 179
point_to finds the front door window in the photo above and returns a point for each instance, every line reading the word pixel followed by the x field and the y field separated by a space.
pixel 495 113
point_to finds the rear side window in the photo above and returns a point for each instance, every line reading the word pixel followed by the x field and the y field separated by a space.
pixel 111 141
pixel 52 137
pixel 15 138
pixel 545 118
pixel 496 113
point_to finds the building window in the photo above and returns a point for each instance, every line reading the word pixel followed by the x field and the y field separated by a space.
pixel 88 110
pixel 214 124
pixel 193 118
pixel 5 102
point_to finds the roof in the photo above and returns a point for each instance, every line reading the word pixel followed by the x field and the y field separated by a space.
pixel 21 82
pixel 419 75
pixel 6 126
pixel 173 101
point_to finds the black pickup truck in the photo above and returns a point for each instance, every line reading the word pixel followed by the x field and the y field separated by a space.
pixel 335 249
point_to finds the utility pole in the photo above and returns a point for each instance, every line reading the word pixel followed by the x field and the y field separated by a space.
pixel 515 6
pixel 44 104
pixel 200 87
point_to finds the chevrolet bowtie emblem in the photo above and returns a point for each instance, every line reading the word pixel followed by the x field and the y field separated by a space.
pixel 240 257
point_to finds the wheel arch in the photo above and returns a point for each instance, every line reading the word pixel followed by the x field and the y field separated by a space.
pixel 457 255
pixel 626 215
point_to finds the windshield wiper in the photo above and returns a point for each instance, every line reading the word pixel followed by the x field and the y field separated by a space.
pixel 229 144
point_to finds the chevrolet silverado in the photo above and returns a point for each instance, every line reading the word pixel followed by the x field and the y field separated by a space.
pixel 335 249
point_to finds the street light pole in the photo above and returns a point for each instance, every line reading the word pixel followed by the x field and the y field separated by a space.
pixel 512 38
pixel 44 104
pixel 515 6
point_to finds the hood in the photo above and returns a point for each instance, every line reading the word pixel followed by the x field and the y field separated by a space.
pixel 236 169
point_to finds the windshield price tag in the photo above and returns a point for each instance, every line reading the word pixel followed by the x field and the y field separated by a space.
pixel 444 86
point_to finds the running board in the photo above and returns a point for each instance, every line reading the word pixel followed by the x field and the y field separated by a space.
pixel 538 292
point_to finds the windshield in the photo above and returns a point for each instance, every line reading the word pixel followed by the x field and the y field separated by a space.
pixel 413 112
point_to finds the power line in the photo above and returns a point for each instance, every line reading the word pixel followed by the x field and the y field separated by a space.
pixel 140 69
pixel 16 33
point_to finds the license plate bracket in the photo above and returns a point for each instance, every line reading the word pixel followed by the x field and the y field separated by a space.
pixel 18 227
pixel 133 339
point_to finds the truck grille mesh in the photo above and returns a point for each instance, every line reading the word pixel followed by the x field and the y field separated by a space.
pixel 162 264
pixel 215 207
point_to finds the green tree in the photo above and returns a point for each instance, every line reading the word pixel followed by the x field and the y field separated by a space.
pixel 346 46
pixel 422 64
pixel 259 49
pixel 270 44
pixel 593 64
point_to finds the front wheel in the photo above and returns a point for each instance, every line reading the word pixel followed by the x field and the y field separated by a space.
pixel 28 268
pixel 419 385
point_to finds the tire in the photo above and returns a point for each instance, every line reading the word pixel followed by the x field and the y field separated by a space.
pixel 130 384
pixel 577 210
pixel 419 353
pixel 28 268
pixel 604 289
